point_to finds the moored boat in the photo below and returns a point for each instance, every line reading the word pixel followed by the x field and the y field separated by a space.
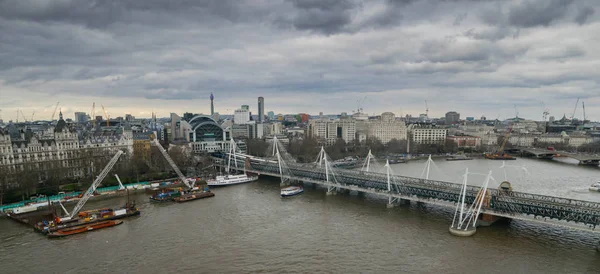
pixel 595 187
pixel 496 156
pixel 291 191
pixel 195 195
pixel 459 157
pixel 83 228
pixel 165 195
pixel 231 180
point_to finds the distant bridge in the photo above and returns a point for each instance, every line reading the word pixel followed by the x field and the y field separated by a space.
pixel 584 159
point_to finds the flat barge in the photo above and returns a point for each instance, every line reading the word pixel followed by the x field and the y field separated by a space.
pixel 193 196
pixel 83 228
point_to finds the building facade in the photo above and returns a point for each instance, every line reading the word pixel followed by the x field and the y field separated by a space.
pixel 328 131
pixel 386 128
pixel 452 118
pixel 241 116
pixel 427 134
pixel 465 141
pixel 63 153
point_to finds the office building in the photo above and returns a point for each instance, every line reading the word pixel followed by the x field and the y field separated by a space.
pixel 261 109
pixel 81 117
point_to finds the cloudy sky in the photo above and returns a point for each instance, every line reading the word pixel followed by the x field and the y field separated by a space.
pixel 475 57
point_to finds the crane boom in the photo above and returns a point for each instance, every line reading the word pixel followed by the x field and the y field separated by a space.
pixel 54 113
pixel 173 165
pixel 501 149
pixel 106 115
pixel 575 109
pixel 23 115
pixel 94 114
pixel 88 193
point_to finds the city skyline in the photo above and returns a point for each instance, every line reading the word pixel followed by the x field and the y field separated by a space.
pixel 479 59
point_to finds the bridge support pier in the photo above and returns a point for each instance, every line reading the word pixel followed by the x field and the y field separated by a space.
pixel 390 203
pixel 461 232
pixel 488 220
pixel 331 192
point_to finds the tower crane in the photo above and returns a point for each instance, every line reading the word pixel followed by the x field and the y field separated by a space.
pixel 106 115
pixel 426 109
pixel 54 113
pixel 187 182
pixel 584 116
pixel 575 109
pixel 23 114
pixel 88 193
pixel 546 112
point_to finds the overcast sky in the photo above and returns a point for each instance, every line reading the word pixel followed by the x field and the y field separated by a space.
pixel 475 57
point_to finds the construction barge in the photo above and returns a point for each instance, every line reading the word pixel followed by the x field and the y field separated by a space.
pixel 86 218
pixel 195 188
pixel 83 228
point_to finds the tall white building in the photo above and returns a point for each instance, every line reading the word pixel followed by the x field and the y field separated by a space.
pixel 386 128
pixel 427 134
pixel 241 116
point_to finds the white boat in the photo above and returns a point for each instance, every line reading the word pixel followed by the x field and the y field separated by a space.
pixel 595 187
pixel 27 208
pixel 231 180
pixel 291 191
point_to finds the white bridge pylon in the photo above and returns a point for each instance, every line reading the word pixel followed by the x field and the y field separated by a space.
pixel 465 218
pixel 370 164
pixel 284 171
pixel 323 161
pixel 233 151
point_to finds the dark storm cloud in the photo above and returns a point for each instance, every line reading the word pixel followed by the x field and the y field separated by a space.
pixel 527 13
pixel 100 14
pixel 326 16
pixel 537 13
pixel 583 14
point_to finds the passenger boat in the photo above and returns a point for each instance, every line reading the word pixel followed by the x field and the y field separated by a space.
pixel 348 163
pixel 195 195
pixel 459 157
pixel 291 191
pixel 231 180
pixel 595 187
pixel 83 228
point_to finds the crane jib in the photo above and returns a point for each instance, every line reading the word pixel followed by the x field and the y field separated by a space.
pixel 95 184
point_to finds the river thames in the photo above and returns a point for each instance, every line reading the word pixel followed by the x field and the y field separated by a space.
pixel 249 228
